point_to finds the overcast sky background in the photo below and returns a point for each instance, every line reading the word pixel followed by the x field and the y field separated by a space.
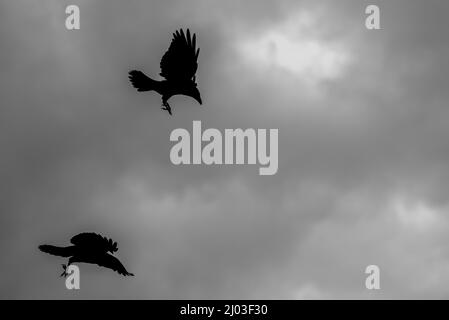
pixel 363 149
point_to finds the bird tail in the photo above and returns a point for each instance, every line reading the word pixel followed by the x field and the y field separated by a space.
pixel 57 251
pixel 140 81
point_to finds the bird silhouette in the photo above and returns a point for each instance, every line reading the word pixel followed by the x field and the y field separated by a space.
pixel 88 248
pixel 178 67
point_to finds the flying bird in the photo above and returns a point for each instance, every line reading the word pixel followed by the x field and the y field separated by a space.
pixel 178 67
pixel 88 248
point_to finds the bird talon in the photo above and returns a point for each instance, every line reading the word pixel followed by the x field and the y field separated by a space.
pixel 166 107
pixel 64 273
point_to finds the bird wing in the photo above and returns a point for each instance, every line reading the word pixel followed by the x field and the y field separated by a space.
pixel 94 241
pixel 180 62
pixel 111 262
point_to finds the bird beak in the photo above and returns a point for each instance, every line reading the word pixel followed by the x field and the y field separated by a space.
pixel 198 99
pixel 197 96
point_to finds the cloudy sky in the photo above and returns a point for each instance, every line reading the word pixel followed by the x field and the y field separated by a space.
pixel 363 125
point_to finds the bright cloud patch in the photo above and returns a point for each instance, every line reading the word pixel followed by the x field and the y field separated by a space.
pixel 289 48
pixel 416 215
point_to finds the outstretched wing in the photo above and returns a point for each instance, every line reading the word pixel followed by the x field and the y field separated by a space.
pixel 94 241
pixel 111 262
pixel 180 62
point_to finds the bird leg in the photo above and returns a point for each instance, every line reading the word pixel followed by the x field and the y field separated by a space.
pixel 166 106
pixel 64 273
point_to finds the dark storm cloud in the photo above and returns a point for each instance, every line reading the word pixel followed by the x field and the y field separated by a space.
pixel 82 151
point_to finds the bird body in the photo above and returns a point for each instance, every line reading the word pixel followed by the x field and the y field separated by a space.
pixel 89 248
pixel 178 67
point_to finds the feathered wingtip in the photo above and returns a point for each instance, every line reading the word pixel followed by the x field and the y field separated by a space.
pixel 112 246
pixel 190 40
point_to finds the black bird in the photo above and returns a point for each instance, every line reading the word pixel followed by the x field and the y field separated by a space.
pixel 178 67
pixel 89 248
